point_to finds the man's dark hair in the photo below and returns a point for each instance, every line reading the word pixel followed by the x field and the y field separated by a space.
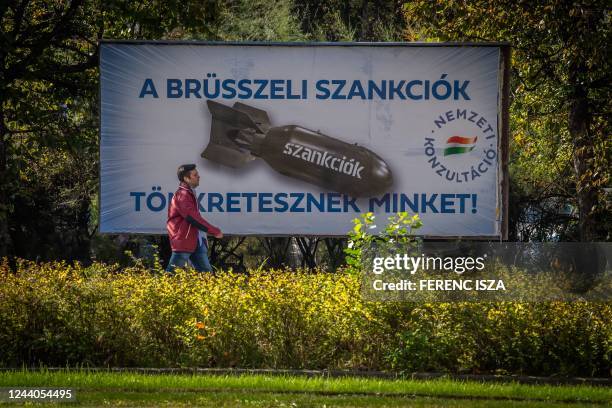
pixel 184 170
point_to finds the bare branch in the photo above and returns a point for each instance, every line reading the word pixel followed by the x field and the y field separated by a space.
pixel 18 69
pixel 52 69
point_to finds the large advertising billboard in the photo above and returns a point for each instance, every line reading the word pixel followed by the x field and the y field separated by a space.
pixel 301 139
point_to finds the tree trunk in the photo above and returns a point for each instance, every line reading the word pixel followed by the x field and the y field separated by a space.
pixel 5 237
pixel 583 154
pixel 365 21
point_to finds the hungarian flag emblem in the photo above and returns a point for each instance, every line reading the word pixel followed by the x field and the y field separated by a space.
pixel 459 144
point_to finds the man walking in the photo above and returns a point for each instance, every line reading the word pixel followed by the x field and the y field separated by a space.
pixel 186 228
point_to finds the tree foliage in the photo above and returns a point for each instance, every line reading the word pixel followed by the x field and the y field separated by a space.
pixel 352 20
pixel 560 150
pixel 48 55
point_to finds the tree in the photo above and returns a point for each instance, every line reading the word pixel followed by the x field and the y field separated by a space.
pixel 561 148
pixel 49 112
pixel 47 55
pixel 352 20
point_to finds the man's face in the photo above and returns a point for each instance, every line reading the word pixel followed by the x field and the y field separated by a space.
pixel 193 179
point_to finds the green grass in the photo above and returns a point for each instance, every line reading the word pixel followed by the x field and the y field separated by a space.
pixel 131 389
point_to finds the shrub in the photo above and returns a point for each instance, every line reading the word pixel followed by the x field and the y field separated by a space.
pixel 58 314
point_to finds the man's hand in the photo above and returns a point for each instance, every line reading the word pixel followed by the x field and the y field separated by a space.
pixel 219 235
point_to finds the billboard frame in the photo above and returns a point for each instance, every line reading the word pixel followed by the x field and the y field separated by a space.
pixel 503 124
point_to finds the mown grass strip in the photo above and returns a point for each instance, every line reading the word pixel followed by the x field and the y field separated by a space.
pixel 441 388
pixel 249 399
pixel 384 375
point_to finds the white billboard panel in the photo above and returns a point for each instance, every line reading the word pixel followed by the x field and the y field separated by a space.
pixel 301 139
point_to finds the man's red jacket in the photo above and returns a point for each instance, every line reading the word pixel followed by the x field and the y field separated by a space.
pixel 184 221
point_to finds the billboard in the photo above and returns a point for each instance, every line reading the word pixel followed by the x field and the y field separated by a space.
pixel 299 139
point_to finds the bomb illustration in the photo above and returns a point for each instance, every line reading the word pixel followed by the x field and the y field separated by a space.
pixel 242 133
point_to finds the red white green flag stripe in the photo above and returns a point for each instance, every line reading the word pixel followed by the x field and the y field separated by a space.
pixel 459 144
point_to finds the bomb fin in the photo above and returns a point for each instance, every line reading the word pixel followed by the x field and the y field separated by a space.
pixel 228 121
pixel 260 117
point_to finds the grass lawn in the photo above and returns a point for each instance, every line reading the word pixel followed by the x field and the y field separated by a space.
pixel 130 389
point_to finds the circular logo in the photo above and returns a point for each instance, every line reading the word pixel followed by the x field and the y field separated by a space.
pixel 462 146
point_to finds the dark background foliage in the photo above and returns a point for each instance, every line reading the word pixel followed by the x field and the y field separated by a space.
pixel 560 91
